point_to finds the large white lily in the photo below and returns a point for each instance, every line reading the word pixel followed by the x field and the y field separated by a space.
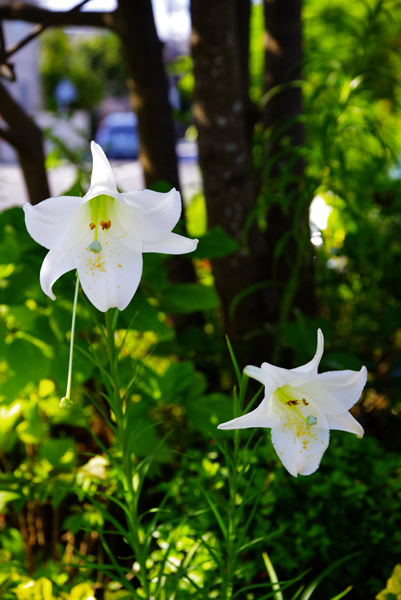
pixel 301 406
pixel 104 234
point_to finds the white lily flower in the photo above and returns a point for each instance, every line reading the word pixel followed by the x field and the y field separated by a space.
pixel 301 406
pixel 104 234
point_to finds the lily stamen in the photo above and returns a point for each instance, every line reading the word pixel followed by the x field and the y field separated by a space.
pixel 285 398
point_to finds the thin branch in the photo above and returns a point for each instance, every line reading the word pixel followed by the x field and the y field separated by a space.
pixel 39 28
pixel 24 11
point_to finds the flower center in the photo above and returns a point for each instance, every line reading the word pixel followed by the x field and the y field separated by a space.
pixel 99 216
pixel 285 398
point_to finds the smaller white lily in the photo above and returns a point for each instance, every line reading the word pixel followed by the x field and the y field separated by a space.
pixel 104 234
pixel 301 406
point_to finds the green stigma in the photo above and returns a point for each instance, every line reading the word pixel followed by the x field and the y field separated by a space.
pixel 95 246
pixel 311 420
pixel 66 403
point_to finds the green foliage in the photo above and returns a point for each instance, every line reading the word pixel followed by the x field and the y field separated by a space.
pixel 213 511
pixel 93 63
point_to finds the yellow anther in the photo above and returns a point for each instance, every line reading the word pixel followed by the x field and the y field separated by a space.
pixel 285 398
pixel 92 225
pixel 105 225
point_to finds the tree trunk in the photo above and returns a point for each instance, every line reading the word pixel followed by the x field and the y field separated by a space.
pixel 283 66
pixel 148 90
pixel 260 284
pixel 26 137
pixel 225 160
pixel 288 201
pixel 243 15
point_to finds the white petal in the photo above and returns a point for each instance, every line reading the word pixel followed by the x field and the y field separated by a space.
pixel 345 422
pixel 255 373
pixel 55 265
pixel 171 244
pixel 336 391
pixel 148 216
pixel 54 223
pixel 300 447
pixel 312 366
pixel 260 417
pixel 102 181
pixel 275 377
pixel 110 278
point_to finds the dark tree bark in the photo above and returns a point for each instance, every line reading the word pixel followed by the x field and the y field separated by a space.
pixel 283 66
pixel 225 161
pixel 148 90
pixel 26 137
pixel 272 274
pixel 243 15
pixel 288 214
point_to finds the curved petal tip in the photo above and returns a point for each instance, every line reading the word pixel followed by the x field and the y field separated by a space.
pixel 102 181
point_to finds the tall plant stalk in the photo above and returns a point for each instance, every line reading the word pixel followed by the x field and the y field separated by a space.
pixel 131 492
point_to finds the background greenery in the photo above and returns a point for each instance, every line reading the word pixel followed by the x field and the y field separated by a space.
pixel 55 471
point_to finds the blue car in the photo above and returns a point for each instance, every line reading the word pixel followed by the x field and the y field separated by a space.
pixel 118 135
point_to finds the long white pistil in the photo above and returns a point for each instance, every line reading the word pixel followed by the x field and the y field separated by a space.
pixel 66 401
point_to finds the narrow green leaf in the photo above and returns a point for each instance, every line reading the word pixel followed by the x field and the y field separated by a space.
pixel 243 388
pixel 283 584
pixel 249 544
pixel 234 361
pixel 313 585
pixel 244 293
pixel 298 592
pixel 342 594
pixel 272 576
pixel 101 411
pixel 216 513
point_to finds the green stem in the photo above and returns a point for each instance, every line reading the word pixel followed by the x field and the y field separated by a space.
pixel 232 523
pixel 125 455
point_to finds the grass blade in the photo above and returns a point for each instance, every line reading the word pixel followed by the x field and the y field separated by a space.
pixel 313 585
pixel 272 576
pixel 234 361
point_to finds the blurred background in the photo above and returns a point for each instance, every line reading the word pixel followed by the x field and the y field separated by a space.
pixel 280 123
pixel 70 97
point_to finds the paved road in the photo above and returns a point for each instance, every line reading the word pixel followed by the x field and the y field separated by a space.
pixel 129 177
